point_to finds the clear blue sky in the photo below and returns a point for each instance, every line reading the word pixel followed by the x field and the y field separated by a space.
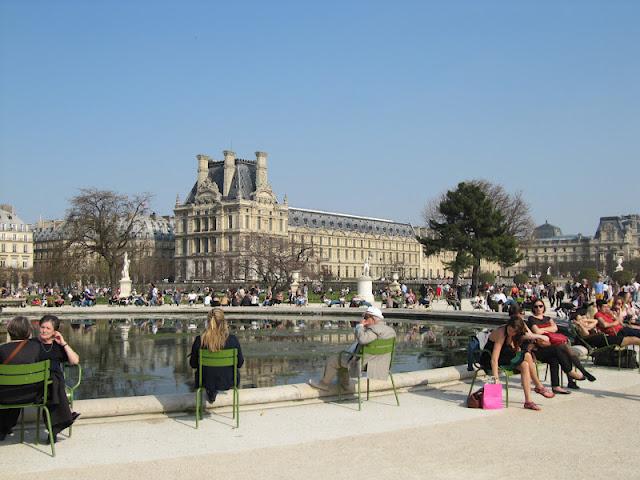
pixel 369 108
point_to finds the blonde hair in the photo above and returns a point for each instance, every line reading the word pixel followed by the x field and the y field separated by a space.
pixel 591 311
pixel 217 332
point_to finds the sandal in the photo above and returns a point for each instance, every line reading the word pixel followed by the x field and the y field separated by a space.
pixel 561 390
pixel 545 392
pixel 531 406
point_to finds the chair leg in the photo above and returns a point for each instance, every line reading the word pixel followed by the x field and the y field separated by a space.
pixel 473 381
pixel 37 425
pixel 236 406
pixel 367 388
pixel 359 395
pixel 393 384
pixel 71 406
pixel 22 426
pixel 507 382
pixel 198 395
pixel 51 440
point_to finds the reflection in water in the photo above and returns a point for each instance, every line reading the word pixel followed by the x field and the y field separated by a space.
pixel 142 356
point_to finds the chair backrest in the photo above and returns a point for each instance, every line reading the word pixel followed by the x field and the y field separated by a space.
pixel 26 374
pixel 67 375
pixel 227 357
pixel 382 346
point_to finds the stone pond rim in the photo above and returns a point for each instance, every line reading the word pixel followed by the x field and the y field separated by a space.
pixel 317 313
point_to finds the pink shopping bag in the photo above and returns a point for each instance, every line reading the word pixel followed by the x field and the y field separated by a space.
pixel 492 398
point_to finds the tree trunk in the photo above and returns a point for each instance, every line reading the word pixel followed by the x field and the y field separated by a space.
pixel 475 276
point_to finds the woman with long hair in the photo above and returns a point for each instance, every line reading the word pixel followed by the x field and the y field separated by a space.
pixel 505 349
pixel 216 337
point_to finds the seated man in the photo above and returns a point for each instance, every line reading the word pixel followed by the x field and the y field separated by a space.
pixel 452 299
pixel 372 327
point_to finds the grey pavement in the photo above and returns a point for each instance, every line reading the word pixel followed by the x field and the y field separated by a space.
pixel 588 434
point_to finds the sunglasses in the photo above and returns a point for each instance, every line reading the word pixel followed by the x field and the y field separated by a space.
pixel 538 306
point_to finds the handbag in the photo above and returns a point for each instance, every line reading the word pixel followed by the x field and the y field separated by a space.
pixel 492 397
pixel 557 338
pixel 475 399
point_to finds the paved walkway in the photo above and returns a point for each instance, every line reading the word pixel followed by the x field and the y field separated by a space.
pixel 588 434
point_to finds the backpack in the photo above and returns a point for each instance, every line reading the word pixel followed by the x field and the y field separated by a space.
pixel 609 358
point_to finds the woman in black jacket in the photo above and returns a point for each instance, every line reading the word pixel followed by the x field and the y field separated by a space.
pixel 216 337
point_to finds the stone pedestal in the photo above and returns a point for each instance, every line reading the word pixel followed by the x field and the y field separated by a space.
pixel 365 289
pixel 125 288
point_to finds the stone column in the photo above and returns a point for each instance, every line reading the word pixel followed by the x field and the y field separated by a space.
pixel 261 170
pixel 229 170
pixel 203 168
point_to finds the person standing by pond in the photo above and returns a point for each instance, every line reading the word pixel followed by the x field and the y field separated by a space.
pixel 216 337
pixel 54 347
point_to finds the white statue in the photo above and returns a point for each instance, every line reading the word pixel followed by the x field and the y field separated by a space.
pixel 125 267
pixel 366 268
pixel 549 270
pixel 620 268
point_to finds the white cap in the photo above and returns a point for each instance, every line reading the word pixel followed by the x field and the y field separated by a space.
pixel 375 312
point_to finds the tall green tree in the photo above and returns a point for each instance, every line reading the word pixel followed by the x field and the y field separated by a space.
pixel 467 222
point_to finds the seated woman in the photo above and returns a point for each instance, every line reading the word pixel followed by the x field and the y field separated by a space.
pixel 19 351
pixel 611 323
pixel 556 356
pixel 54 347
pixel 215 338
pixel 504 349
pixel 585 325
pixel 630 311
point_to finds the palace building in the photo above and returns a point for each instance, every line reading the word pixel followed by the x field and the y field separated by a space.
pixel 16 247
pixel 232 205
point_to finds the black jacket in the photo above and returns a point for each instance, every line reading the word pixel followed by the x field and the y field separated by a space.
pixel 216 378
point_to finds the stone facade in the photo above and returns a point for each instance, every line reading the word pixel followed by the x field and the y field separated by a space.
pixel 231 202
pixel 16 246
pixel 57 262
pixel 616 237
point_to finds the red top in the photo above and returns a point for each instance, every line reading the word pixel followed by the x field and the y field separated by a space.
pixel 606 318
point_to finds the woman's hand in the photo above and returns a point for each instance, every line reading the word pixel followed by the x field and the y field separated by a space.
pixel 58 338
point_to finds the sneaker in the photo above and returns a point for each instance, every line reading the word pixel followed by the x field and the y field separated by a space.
pixel 320 385
pixel 211 395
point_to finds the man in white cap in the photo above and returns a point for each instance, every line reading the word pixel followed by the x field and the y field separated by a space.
pixel 370 328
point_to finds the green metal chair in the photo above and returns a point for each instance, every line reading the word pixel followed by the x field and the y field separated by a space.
pixel 70 388
pixel 36 374
pixel 377 347
pixel 508 372
pixel 227 357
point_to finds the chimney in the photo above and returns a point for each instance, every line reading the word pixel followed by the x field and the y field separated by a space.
pixel 229 170
pixel 261 170
pixel 203 167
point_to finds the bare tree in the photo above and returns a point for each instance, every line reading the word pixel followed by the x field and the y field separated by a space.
pixel 104 223
pixel 513 207
pixel 274 259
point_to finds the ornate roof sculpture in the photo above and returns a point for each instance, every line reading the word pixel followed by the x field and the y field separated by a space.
pixel 302 217
pixel 231 179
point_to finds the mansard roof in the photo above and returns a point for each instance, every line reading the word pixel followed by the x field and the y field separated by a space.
pixel 242 186
pixel 302 217
pixel 547 230
pixel 151 226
